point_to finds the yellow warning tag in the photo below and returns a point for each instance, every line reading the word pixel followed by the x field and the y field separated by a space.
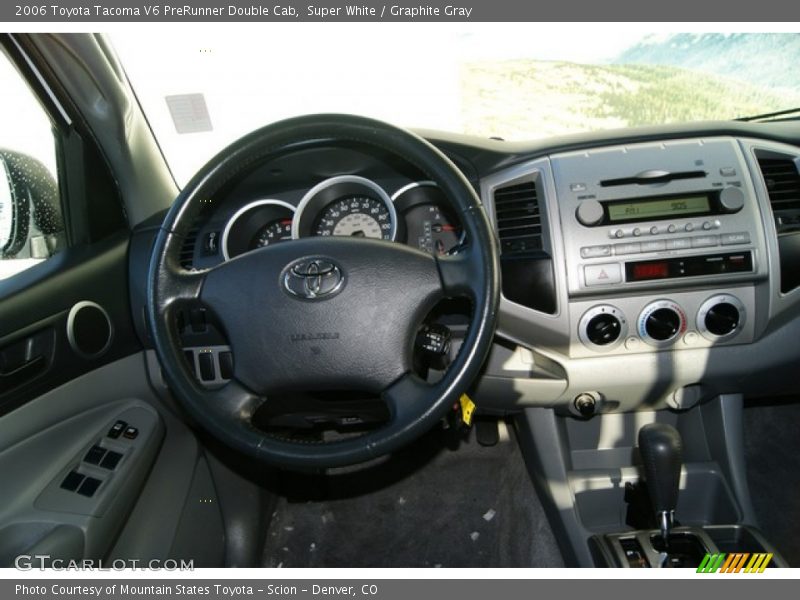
pixel 467 408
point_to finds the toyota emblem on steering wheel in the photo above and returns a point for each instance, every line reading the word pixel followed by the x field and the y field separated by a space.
pixel 313 278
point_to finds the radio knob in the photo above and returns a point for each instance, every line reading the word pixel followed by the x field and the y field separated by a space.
pixel 722 318
pixel 663 324
pixel 590 213
pixel 731 199
pixel 603 329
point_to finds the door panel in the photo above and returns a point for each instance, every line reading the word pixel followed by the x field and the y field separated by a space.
pixel 156 502
pixel 36 354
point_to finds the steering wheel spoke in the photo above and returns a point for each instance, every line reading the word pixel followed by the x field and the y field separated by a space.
pixel 235 401
pixel 407 398
pixel 177 284
pixel 460 273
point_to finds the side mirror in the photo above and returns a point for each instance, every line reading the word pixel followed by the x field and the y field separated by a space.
pixel 31 225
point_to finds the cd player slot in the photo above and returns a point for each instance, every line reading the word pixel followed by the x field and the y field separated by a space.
pixel 654 176
pixel 689 266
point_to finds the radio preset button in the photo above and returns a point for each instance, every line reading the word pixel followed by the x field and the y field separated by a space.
pixel 654 246
pixel 732 239
pixel 707 225
pixel 629 248
pixel 705 241
pixel 605 274
pixel 595 251
pixel 618 233
pixel 689 227
pixel 637 232
pixel 654 230
pixel 679 244
pixel 672 228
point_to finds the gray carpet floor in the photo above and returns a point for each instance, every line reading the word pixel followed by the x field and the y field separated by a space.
pixel 772 453
pixel 436 503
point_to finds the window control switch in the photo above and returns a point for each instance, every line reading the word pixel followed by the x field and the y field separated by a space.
pixel 111 460
pixel 89 487
pixel 117 429
pixel 94 455
pixel 226 365
pixel 131 433
pixel 206 362
pixel 72 481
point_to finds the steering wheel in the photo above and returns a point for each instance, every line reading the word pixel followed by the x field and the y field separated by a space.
pixel 323 313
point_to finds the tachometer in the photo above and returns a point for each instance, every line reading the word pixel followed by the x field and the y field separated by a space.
pixel 259 223
pixel 356 216
pixel 274 232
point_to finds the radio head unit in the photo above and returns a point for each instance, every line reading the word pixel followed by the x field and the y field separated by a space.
pixel 658 215
pixel 593 213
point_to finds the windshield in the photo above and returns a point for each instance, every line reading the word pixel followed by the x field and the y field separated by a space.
pixel 202 90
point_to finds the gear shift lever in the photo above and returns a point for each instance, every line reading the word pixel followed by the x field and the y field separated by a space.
pixel 662 453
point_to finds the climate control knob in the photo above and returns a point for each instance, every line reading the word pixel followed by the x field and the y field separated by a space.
pixel 721 316
pixel 661 322
pixel 602 327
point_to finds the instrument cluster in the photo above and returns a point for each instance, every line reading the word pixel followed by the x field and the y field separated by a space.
pixel 417 214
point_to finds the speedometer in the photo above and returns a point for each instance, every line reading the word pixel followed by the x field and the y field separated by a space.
pixel 356 216
pixel 346 205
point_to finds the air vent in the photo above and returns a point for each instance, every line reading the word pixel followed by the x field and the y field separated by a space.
pixel 783 186
pixel 519 225
pixel 187 249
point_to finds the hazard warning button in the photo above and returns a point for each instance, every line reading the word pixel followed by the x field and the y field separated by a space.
pixel 605 274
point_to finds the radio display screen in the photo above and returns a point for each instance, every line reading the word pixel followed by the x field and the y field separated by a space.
pixel 643 210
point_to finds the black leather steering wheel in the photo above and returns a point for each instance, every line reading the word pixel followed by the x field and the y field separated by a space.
pixel 359 301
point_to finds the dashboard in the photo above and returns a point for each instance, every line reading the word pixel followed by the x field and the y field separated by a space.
pixel 640 270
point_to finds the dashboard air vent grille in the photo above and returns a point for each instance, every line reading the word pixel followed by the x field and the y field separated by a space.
pixel 186 258
pixel 519 224
pixel 783 186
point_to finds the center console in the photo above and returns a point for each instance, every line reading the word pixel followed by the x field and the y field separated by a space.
pixel 645 225
pixel 606 489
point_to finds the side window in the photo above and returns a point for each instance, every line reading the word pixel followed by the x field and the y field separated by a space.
pixel 31 223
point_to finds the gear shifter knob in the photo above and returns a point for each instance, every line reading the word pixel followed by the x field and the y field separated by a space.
pixel 662 454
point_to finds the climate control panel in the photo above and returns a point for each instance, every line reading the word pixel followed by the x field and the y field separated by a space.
pixel 684 320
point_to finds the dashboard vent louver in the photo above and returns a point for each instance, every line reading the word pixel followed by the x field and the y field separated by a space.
pixel 783 186
pixel 186 258
pixel 519 225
